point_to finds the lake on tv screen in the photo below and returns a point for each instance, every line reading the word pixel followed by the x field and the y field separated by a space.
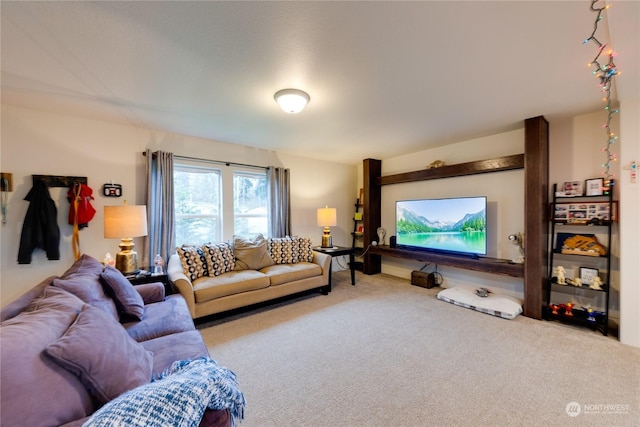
pixel 465 241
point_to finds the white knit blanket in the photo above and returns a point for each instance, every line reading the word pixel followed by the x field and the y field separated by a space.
pixel 178 397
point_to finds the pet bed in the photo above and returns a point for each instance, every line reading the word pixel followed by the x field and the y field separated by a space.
pixel 496 305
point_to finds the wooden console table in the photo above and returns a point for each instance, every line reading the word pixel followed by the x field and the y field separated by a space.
pixel 488 265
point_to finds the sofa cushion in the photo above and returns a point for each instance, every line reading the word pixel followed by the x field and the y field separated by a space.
pixel 162 318
pixel 89 289
pixel 220 258
pixel 305 249
pixel 85 265
pixel 34 390
pixel 285 273
pixel 251 254
pixel 284 250
pixel 180 346
pixel 99 351
pixel 235 282
pixel 127 299
pixel 151 292
pixel 194 261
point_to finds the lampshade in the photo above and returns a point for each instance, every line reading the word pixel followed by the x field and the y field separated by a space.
pixel 292 100
pixel 125 223
pixel 327 217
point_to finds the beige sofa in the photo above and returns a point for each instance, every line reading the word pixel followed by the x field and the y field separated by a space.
pixel 215 278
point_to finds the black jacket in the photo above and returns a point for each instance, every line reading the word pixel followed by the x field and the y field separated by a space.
pixel 40 228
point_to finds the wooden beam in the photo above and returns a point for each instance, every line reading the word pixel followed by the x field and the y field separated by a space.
pixel 498 164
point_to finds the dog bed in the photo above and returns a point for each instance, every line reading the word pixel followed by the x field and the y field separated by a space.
pixel 496 305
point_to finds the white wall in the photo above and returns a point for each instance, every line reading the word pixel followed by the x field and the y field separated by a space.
pixel 35 142
pixel 629 223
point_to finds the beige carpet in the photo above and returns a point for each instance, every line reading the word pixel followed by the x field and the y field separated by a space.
pixel 385 353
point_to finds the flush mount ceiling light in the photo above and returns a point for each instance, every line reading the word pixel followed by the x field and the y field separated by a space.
pixel 292 100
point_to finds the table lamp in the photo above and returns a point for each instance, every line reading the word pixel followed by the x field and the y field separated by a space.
pixel 130 222
pixel 327 218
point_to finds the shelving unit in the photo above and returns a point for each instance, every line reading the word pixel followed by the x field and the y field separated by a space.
pixel 357 235
pixel 582 224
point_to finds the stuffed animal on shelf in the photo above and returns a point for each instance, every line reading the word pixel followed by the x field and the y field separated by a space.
pixel 590 314
pixel 596 284
pixel 568 309
pixel 560 275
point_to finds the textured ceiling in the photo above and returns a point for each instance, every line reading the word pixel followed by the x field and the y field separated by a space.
pixel 385 78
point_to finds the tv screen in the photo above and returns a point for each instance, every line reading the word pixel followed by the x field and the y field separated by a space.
pixel 456 225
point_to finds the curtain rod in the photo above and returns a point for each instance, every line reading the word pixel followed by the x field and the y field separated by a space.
pixel 220 162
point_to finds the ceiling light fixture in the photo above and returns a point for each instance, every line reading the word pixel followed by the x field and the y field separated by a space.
pixel 292 100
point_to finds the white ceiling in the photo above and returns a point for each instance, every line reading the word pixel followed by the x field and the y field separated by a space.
pixel 385 78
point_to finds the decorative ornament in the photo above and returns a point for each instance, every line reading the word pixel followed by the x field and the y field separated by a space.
pixel 560 278
pixel 518 240
pixel 605 72
pixel 381 233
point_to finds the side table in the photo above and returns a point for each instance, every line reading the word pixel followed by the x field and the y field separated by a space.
pixel 339 251
pixel 144 276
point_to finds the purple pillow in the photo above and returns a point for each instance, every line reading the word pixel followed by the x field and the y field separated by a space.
pixel 128 300
pixel 98 350
pixel 84 266
pixel 34 390
pixel 89 289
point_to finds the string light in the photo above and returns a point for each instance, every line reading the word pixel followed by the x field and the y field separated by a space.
pixel 605 72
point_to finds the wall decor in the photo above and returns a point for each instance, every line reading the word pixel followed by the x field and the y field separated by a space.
pixel 587 275
pixel 594 187
pixel 572 189
pixel 584 212
pixel 579 244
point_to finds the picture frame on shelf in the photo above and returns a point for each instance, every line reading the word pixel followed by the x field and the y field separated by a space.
pixel 585 212
pixel 587 274
pixel 361 197
pixel 572 189
pixel 594 187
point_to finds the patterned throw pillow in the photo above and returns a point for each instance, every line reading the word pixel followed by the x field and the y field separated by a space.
pixel 305 249
pixel 194 261
pixel 284 250
pixel 220 258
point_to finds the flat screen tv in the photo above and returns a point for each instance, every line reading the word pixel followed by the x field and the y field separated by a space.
pixel 454 225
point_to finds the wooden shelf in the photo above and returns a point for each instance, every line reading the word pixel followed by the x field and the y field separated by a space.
pixel 488 265
pixel 461 169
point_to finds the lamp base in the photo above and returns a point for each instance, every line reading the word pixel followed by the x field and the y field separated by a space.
pixel 127 258
pixel 326 239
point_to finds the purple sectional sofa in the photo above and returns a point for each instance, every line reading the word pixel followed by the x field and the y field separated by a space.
pixel 75 342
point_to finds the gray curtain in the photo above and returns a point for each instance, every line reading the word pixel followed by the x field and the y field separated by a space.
pixel 160 213
pixel 279 202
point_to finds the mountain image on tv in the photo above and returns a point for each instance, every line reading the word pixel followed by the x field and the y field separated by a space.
pixel 452 225
pixel 411 222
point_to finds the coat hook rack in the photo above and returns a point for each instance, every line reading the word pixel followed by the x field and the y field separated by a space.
pixel 60 181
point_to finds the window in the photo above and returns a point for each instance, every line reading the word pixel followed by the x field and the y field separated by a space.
pixel 211 205
pixel 197 198
pixel 250 214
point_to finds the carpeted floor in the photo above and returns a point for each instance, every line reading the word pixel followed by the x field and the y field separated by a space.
pixel 385 353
